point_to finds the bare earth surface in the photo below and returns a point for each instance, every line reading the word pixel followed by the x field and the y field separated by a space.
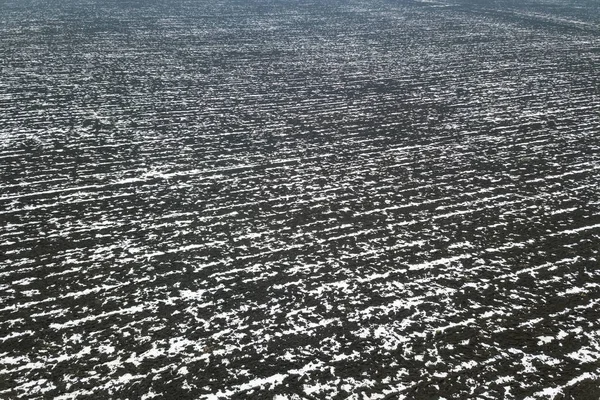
pixel 300 199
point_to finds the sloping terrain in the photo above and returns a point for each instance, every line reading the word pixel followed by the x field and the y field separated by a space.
pixel 300 200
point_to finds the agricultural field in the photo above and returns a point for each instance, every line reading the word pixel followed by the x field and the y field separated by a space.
pixel 300 199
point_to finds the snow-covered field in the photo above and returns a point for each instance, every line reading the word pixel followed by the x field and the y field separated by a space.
pixel 281 199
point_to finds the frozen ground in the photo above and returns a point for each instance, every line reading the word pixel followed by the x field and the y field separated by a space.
pixel 300 199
